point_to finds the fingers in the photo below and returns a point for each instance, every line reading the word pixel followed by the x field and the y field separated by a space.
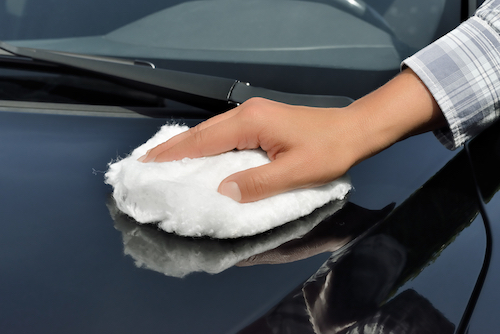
pixel 218 138
pixel 268 180
pixel 152 155
pixel 295 139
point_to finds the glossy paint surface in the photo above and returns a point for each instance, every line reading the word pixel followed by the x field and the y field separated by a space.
pixel 408 247
pixel 485 158
pixel 62 255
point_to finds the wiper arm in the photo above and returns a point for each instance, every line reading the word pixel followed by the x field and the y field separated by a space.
pixel 209 92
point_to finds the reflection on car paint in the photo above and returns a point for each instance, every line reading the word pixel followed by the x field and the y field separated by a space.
pixel 356 290
pixel 179 256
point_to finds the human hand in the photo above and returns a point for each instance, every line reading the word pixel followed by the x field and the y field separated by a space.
pixel 307 146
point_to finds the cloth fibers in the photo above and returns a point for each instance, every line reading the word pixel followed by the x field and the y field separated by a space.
pixel 181 196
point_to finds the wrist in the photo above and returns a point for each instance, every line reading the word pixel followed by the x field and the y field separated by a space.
pixel 401 108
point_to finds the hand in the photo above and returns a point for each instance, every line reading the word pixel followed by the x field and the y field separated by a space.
pixel 307 146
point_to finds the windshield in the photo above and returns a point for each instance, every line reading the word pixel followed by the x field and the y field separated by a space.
pixel 323 33
pixel 322 47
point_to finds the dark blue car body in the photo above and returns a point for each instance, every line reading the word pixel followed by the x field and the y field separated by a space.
pixel 413 251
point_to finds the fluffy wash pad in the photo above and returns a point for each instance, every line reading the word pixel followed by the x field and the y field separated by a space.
pixel 181 196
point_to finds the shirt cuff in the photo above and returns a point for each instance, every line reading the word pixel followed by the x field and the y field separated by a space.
pixel 462 72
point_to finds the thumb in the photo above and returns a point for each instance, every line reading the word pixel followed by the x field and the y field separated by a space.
pixel 260 182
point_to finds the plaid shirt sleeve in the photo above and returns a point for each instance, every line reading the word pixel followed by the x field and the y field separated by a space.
pixel 462 71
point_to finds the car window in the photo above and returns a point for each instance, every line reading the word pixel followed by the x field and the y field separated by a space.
pixel 327 33
pixel 322 47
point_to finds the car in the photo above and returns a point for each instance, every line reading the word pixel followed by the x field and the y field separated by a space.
pixel 82 83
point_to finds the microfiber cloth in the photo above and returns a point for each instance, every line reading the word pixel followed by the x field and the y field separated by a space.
pixel 181 196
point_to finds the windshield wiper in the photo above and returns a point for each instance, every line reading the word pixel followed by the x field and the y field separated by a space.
pixel 208 92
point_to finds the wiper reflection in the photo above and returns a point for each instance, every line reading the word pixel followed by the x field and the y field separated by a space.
pixel 178 256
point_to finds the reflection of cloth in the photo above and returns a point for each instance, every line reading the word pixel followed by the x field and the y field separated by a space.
pixel 178 256
pixel 462 71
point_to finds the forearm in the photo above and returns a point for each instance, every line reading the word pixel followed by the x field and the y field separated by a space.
pixel 401 108
pixel 307 146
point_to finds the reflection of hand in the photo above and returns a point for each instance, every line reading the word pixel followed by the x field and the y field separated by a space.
pixel 332 234
pixel 307 146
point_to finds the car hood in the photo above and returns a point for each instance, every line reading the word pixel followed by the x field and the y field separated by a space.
pixel 65 260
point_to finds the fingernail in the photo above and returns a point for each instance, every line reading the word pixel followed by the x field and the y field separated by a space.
pixel 141 159
pixel 231 190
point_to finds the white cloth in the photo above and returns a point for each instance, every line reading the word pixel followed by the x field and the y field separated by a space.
pixel 181 196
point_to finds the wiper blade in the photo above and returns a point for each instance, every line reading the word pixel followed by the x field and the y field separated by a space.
pixel 209 92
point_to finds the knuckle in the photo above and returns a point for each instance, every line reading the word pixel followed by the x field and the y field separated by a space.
pixel 197 138
pixel 194 129
pixel 196 143
pixel 255 101
pixel 257 186
pixel 254 108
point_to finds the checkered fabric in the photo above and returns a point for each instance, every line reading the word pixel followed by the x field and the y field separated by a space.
pixel 462 71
